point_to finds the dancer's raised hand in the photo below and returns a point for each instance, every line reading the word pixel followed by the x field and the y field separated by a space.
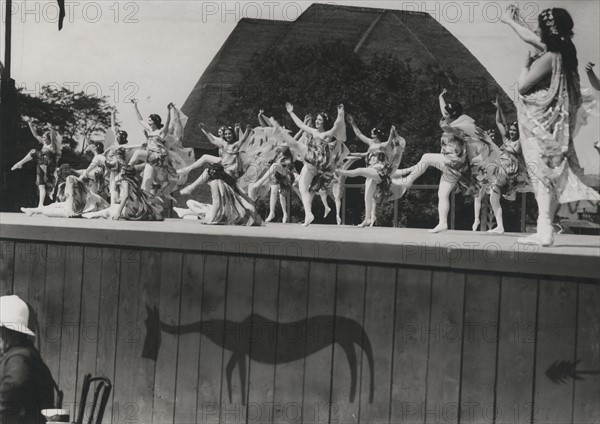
pixel 509 14
pixel 201 125
pixel 289 107
pixel 350 119
pixel 307 118
pixel 496 102
pixel 134 101
pixel 590 67
pixel 340 108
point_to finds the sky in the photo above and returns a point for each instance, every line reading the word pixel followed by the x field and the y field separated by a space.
pixel 156 50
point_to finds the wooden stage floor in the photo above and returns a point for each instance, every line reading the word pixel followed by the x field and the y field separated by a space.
pixel 572 255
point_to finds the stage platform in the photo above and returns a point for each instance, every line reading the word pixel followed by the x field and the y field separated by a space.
pixel 325 324
pixel 572 255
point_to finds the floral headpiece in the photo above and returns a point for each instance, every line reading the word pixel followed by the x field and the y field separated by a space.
pixel 548 19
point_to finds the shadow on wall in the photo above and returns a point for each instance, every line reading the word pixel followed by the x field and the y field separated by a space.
pixel 268 342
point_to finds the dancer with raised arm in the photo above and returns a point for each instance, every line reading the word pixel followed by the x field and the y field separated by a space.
pixel 548 106
pixel 46 160
pixel 466 153
pixel 134 204
pixel 324 153
pixel 383 158
pixel 509 176
pixel 96 175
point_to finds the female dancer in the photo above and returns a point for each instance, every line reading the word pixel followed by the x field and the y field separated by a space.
pixel 116 157
pixel 159 171
pixel 324 153
pixel 382 159
pixel 46 160
pixel 96 174
pixel 508 176
pixel 548 107
pixel 466 152
pixel 77 199
pixel 135 204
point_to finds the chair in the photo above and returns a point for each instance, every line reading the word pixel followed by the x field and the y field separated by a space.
pixel 103 385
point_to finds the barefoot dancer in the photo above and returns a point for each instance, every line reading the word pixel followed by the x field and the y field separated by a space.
pixel 324 152
pixel 466 152
pixel 549 109
pixel 382 159
pixel 46 160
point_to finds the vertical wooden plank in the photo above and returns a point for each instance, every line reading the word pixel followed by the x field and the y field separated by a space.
pixel 234 389
pixel 319 343
pixel 376 369
pixel 291 341
pixel 557 318
pixel 29 277
pixel 7 266
pixel 350 300
pixel 211 346
pixel 410 345
pixel 514 387
pixel 479 339
pixel 188 356
pixel 104 331
pixel 50 304
pixel 586 403
pixel 443 375
pixel 88 328
pixel 134 376
pixel 263 341
pixel 163 408
pixel 70 334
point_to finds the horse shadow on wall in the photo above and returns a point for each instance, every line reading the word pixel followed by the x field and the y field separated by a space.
pixel 269 342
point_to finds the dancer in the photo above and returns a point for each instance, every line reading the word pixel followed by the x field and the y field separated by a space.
pixel 383 158
pixel 508 176
pixel 134 203
pixel 466 152
pixel 548 106
pixel 96 175
pixel 77 199
pixel 159 175
pixel 116 157
pixel 46 160
pixel 324 153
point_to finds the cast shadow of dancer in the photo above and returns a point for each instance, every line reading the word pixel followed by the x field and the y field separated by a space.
pixel 268 342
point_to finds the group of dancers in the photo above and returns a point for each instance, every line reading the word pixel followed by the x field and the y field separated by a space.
pixel 536 154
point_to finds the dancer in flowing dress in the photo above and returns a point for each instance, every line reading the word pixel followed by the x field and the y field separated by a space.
pixel 383 158
pixel 465 155
pixel 46 160
pixel 324 152
pixel 77 199
pixel 135 204
pixel 508 177
pixel 549 107
pixel 96 175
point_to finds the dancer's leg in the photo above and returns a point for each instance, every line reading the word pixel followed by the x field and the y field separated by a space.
pixel 253 188
pixel 148 178
pixel 104 213
pixel 204 160
pixel 497 208
pixel 436 160
pixel 42 194
pixel 544 235
pixel 202 179
pixel 363 172
pixel 446 187
pixel 272 202
pixel 323 195
pixel 306 177
pixel 370 188
pixel 138 155
pixel 477 209
pixel 338 193
pixel 283 200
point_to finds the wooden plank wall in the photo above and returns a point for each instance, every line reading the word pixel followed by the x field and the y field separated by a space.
pixel 444 347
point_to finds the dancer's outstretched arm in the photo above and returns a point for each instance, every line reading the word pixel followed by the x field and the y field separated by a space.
pixel 34 132
pixel 263 121
pixel 443 103
pixel 510 17
pixel 500 119
pixel 124 191
pixel 143 123
pixel 534 71
pixel 164 131
pixel 589 69
pixel 290 109
pixel 214 140
pixel 113 125
pixel 368 141
pixel 245 134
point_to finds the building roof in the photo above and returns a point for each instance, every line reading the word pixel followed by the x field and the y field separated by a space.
pixel 368 31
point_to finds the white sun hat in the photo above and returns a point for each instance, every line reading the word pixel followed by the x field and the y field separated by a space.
pixel 14 314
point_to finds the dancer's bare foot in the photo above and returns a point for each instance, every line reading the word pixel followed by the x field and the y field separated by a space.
pixel 308 220
pixel 537 240
pixel 181 212
pixel 270 218
pixel 327 210
pixel 183 171
pixel 476 225
pixel 285 218
pixel 338 220
pixel 27 211
pixel 439 229
pixel 365 223
pixel 497 230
